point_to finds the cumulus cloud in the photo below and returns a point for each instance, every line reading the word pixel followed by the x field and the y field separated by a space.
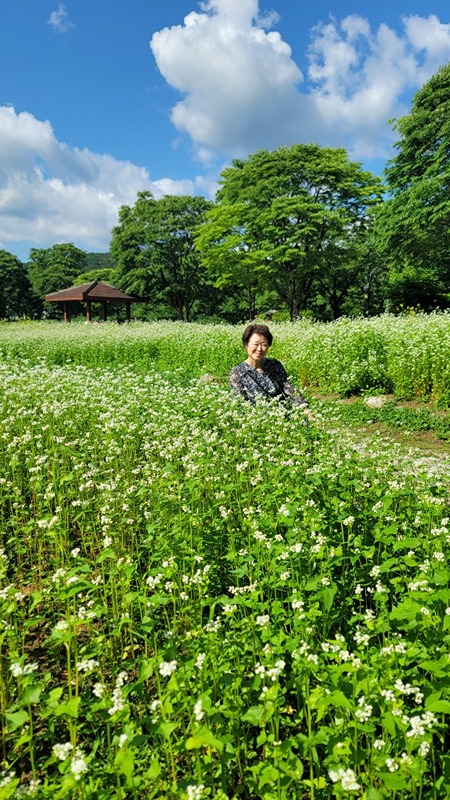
pixel 237 79
pixel 242 90
pixel 50 192
pixel 59 20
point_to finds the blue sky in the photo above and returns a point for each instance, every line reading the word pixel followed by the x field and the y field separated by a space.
pixel 100 99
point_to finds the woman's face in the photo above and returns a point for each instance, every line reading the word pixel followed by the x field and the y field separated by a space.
pixel 257 348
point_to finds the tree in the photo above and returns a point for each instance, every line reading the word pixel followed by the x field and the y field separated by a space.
pixel 287 218
pixel 154 249
pixel 99 261
pixel 55 268
pixel 16 298
pixel 413 226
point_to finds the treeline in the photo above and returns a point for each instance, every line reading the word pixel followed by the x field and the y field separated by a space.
pixel 301 230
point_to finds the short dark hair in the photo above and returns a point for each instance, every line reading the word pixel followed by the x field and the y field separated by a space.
pixel 262 330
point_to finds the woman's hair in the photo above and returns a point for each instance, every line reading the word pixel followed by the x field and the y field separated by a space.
pixel 262 330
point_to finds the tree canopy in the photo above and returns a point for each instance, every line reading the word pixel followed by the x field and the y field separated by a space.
pixel 288 220
pixel 413 226
pixel 153 246
pixel 15 289
pixel 55 268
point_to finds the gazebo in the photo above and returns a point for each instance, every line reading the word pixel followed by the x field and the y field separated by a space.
pixel 93 292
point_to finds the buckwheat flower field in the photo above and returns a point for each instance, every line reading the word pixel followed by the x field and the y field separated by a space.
pixel 204 599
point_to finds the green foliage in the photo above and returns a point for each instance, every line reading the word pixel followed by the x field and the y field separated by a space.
pixel 394 416
pixel 292 221
pixel 205 599
pixel 99 262
pixel 413 232
pixel 406 355
pixel 55 268
pixel 154 249
pixel 106 275
pixel 16 297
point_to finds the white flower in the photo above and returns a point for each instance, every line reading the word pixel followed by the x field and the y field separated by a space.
pixel 78 765
pixel 154 580
pixel 167 667
pixel 200 660
pixel 379 744
pixel 362 638
pixel 424 749
pixel 347 779
pixel 62 751
pixel 274 672
pixel 17 669
pixel 262 619
pixel 364 712
pixel 229 608
pixel 198 711
pixel 195 792
pixel 87 665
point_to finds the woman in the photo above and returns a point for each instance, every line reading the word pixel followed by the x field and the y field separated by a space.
pixel 259 376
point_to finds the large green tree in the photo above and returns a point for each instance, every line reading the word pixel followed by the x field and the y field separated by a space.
pixel 154 250
pixel 292 221
pixel 413 226
pixel 55 268
pixel 16 299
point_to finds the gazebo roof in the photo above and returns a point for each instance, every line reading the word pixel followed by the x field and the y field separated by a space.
pixel 95 291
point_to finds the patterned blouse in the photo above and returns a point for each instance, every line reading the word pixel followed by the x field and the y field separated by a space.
pixel 269 381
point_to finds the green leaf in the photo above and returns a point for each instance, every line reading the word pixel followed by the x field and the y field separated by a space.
pixel 145 670
pixel 374 794
pixel 268 775
pixel 31 695
pixel 16 719
pixel 166 728
pixel 438 668
pixel 203 738
pixel 388 722
pixel 154 770
pixel 254 715
pixel 70 708
pixel 327 596
pixel 124 761
pixel 406 610
pixel 438 706
pixel 393 781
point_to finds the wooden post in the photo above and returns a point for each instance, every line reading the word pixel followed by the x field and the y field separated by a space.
pixel 127 310
pixel 105 310
pixel 66 312
pixel 89 311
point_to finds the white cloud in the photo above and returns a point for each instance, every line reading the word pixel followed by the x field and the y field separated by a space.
pixel 50 192
pixel 242 89
pixel 202 185
pixel 238 80
pixel 59 20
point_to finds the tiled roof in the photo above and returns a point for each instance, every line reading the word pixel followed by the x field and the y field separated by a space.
pixel 95 290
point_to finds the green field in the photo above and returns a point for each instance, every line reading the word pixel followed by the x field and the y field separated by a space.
pixel 205 599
